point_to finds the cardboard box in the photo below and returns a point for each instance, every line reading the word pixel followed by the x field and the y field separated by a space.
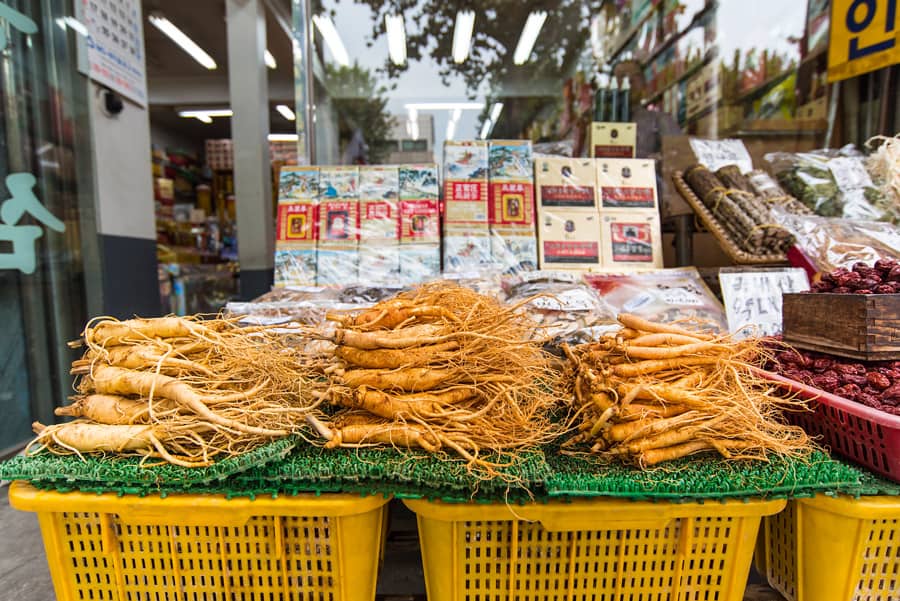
pixel 613 140
pixel 379 264
pixel 379 211
pixel 514 247
pixel 297 223
pixel 631 240
pixel 566 183
pixel 295 266
pixel 298 183
pixel 465 160
pixel 511 203
pixel 338 223
pixel 569 239
pixel 220 154
pixel 419 262
pixel 510 160
pixel 419 182
pixel 466 249
pixel 338 183
pixel 817 109
pixel 336 266
pixel 419 222
pixel 703 89
pixel 627 184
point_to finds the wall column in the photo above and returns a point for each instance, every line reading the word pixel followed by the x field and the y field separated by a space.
pixel 248 87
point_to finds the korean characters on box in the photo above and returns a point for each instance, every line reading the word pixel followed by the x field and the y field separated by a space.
pixel 511 210
pixel 420 233
pixel 466 239
pixel 296 226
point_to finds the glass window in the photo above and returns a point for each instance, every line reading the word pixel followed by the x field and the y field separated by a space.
pixel 42 187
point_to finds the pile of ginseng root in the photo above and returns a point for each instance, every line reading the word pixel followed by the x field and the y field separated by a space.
pixel 440 368
pixel 182 390
pixel 651 393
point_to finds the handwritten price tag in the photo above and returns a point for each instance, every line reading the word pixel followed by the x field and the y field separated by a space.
pixel 753 298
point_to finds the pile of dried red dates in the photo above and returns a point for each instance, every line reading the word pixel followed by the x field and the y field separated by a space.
pixel 881 278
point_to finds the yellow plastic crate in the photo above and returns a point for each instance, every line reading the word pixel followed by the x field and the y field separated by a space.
pixel 835 549
pixel 590 550
pixel 186 547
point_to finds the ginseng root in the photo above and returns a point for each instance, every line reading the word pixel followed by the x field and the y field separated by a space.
pixel 637 323
pixel 409 379
pixel 420 335
pixel 392 406
pixel 400 435
pixel 393 358
pixel 108 332
pixel 109 409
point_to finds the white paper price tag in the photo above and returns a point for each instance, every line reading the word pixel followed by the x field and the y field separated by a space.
pixel 753 298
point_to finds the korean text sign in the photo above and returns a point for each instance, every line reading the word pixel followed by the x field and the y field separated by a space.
pixel 865 36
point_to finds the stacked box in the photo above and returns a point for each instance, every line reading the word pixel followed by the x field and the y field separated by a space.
pixel 511 203
pixel 220 154
pixel 338 243
pixel 297 226
pixel 379 230
pixel 420 240
pixel 613 140
pixel 629 211
pixel 466 232
pixel 568 216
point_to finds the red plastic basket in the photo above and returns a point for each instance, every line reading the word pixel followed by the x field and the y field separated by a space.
pixel 862 434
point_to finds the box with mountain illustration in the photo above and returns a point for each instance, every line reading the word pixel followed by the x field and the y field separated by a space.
pixel 379 211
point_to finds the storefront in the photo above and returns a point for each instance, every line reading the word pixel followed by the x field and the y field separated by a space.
pixel 554 277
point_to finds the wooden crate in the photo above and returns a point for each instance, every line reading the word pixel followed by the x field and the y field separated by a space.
pixel 858 326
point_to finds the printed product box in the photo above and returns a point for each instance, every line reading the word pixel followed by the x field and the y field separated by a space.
pixel 465 160
pixel 569 239
pixel 338 183
pixel 466 249
pixel 338 223
pixel 335 267
pixel 631 240
pixel 466 202
pixel 510 160
pixel 298 183
pixel 627 184
pixel 379 264
pixel 419 182
pixel 297 224
pixel 419 222
pixel 511 203
pixel 565 183
pixel 295 267
pixel 379 211
pixel 613 140
pixel 514 247
pixel 419 262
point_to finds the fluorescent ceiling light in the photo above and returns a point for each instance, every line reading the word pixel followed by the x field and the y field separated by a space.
pixel 270 60
pixel 443 106
pixel 486 129
pixel 529 36
pixel 462 35
pixel 206 116
pixel 73 24
pixel 186 43
pixel 495 111
pixel 286 112
pixel 451 129
pixel 332 39
pixel 283 137
pixel 396 34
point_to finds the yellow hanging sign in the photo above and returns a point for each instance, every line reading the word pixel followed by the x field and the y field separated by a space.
pixel 865 36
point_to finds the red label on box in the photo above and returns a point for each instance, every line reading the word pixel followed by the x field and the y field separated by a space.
pixel 630 198
pixel 378 210
pixel 607 151
pixel 571 252
pixel 296 222
pixel 339 221
pixel 511 203
pixel 632 242
pixel 567 196
pixel 472 190
pixel 419 220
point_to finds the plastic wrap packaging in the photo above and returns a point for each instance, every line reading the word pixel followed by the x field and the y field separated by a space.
pixel 568 310
pixel 830 243
pixel 833 183
pixel 665 295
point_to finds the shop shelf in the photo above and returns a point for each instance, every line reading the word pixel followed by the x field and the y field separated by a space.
pixel 834 549
pixel 597 549
pixel 208 547
pixel 859 433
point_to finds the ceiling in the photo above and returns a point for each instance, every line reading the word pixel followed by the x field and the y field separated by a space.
pixel 175 81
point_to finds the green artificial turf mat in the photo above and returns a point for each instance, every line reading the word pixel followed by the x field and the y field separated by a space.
pixel 127 471
pixel 699 477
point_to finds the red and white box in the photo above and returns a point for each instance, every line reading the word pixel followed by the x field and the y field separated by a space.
pixel 566 183
pixel 631 240
pixel 627 184
pixel 569 240
pixel 297 223
pixel 419 222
